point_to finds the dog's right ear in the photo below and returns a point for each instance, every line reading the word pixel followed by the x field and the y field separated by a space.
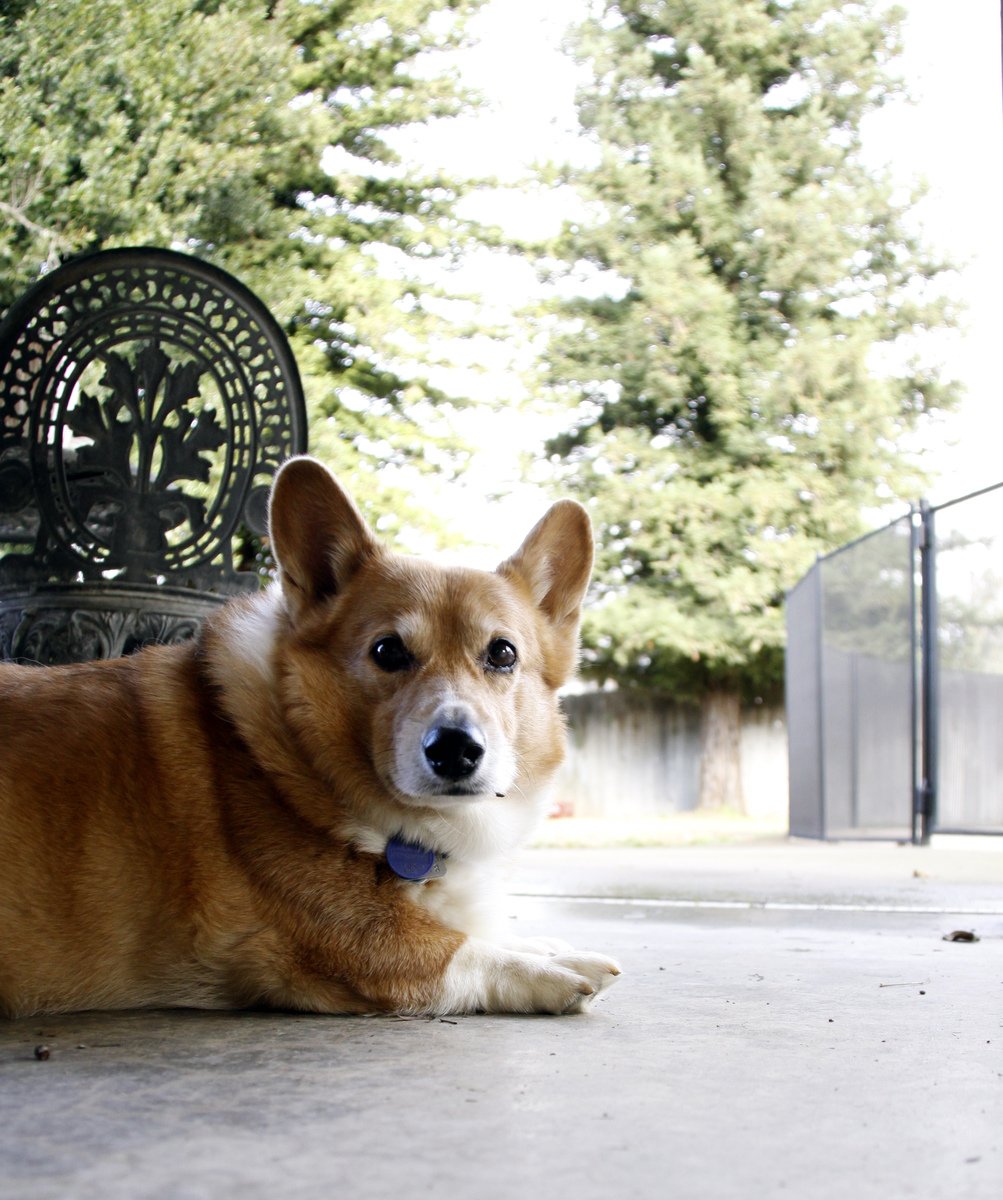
pixel 318 536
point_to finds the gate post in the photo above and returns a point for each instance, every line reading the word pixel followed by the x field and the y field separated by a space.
pixel 925 802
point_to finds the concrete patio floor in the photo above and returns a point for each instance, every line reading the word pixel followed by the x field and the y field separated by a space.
pixel 791 1023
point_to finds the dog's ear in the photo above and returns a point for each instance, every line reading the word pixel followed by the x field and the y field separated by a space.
pixel 555 561
pixel 318 536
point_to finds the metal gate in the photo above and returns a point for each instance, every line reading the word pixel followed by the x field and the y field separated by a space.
pixel 895 679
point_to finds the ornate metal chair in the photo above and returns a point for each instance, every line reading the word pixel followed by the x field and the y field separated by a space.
pixel 146 400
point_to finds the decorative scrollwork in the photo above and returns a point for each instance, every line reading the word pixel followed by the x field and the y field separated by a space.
pixel 146 400
pixel 143 440
pixel 71 627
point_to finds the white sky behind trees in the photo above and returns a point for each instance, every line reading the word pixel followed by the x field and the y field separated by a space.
pixel 952 135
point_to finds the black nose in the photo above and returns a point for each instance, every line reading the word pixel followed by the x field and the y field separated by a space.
pixel 453 751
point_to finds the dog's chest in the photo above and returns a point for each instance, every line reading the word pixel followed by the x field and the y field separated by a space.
pixel 465 899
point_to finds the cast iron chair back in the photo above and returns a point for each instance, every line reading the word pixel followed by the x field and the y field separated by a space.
pixel 146 401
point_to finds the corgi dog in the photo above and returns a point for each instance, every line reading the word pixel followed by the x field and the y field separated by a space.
pixel 305 807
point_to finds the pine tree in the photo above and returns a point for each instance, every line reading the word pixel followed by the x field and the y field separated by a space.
pixel 256 134
pixel 741 380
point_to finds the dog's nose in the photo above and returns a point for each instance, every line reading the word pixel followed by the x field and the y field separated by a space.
pixel 453 751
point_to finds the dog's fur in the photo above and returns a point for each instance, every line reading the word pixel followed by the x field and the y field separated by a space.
pixel 205 825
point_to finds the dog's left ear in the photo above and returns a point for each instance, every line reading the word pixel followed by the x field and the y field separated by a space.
pixel 318 536
pixel 554 563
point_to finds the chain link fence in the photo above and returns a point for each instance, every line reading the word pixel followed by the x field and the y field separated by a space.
pixel 895 679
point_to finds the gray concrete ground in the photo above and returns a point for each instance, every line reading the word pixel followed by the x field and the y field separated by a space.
pixel 790 1023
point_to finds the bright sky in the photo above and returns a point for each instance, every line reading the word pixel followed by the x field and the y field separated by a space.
pixel 951 136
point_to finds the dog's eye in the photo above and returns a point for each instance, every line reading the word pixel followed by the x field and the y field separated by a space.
pixel 390 654
pixel 501 655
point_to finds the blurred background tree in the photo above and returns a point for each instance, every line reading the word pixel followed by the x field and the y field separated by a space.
pixel 741 368
pixel 256 135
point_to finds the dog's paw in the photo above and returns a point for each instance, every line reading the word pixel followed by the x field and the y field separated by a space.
pixel 487 978
pixel 547 947
pixel 598 972
pixel 563 983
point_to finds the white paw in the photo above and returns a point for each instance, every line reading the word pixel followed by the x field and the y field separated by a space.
pixel 545 946
pixel 487 978
pixel 597 970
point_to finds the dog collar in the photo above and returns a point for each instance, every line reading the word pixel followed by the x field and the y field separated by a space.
pixel 412 861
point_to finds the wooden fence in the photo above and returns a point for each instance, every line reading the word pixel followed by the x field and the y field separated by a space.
pixel 638 756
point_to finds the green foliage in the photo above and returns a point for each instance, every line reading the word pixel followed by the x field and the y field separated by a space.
pixel 741 385
pixel 259 136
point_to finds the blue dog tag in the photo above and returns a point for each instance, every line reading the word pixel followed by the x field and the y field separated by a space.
pixel 413 862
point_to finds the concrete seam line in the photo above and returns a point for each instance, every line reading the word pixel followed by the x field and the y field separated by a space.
pixel 768 905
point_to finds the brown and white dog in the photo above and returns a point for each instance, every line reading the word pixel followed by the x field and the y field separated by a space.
pixel 304 807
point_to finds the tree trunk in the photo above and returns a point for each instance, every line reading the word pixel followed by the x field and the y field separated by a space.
pixel 721 752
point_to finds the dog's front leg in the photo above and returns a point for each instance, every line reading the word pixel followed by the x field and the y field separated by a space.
pixel 470 975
